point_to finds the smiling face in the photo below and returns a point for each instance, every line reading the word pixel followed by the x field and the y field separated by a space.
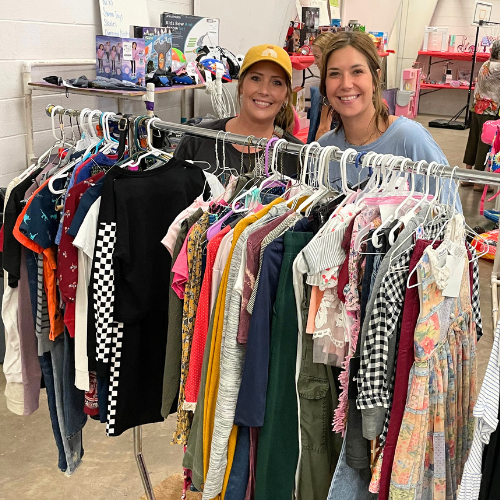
pixel 349 83
pixel 263 91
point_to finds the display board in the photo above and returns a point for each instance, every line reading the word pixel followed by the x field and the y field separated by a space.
pixel 118 15
pixel 191 32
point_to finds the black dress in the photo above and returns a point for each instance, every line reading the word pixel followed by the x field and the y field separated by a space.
pixel 130 285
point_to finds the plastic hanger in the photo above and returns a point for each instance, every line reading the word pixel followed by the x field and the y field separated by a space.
pixel 403 221
pixel 304 163
pixel 152 151
pixel 322 189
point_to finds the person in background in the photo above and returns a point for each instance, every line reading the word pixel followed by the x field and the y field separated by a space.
pixel 485 107
pixel 320 117
pixel 266 110
pixel 351 82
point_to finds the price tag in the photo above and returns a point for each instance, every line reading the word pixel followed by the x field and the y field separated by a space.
pixel 456 267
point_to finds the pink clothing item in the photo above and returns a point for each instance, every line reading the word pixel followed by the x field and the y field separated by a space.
pixel 353 313
pixel 113 54
pixel 219 265
pixel 173 230
pixel 251 270
pixel 202 321
pixel 316 297
pixel 181 270
pixel 100 53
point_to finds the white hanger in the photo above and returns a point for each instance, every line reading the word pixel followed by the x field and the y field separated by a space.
pixel 411 213
pixel 304 163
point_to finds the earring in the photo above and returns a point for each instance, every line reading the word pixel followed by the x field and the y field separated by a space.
pixel 284 105
pixel 326 102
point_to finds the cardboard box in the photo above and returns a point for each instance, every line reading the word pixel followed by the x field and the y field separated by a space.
pixel 158 45
pixel 191 32
pixel 299 99
pixel 120 58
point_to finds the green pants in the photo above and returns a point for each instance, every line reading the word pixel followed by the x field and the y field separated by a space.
pixel 318 400
pixel 278 449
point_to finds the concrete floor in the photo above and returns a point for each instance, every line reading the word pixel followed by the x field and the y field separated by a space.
pixel 28 458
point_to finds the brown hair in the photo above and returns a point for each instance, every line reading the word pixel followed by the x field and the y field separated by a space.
pixel 323 40
pixel 364 44
pixel 285 118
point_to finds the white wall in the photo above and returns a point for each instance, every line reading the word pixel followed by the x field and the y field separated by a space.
pixel 55 29
pixel 375 16
pixel 457 15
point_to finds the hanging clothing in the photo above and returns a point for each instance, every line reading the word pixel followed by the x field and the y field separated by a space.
pixel 443 336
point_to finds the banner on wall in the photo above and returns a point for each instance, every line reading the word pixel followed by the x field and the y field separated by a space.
pixel 118 15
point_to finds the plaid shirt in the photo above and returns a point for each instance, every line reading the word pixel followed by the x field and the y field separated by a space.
pixel 375 385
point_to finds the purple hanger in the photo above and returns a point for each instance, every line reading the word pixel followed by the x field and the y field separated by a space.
pixel 266 163
pixel 216 227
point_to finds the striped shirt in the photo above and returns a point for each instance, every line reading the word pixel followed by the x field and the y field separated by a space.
pixel 42 325
pixel 486 413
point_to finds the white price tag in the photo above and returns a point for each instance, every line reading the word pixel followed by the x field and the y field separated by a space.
pixel 456 267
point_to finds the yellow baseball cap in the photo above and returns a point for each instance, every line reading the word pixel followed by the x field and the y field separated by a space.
pixel 267 52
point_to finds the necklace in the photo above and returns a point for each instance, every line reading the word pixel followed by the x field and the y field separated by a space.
pixel 347 142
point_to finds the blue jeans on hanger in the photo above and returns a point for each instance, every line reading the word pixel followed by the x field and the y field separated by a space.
pixel 70 421
pixel 238 477
pixel 48 377
pixel 348 483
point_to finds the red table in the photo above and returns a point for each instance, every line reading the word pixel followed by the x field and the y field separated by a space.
pixel 439 86
pixel 455 56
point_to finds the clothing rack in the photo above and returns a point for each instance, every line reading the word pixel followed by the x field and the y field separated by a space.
pixel 420 167
pixel 417 167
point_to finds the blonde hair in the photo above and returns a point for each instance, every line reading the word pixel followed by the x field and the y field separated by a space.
pixel 285 118
pixel 323 40
pixel 364 44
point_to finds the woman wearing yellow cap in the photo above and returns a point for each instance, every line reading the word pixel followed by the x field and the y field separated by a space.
pixel 264 94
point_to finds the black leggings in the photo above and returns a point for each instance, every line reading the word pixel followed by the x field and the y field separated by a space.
pixel 476 150
pixel 132 64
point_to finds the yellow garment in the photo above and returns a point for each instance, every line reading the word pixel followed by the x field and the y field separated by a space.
pixel 213 372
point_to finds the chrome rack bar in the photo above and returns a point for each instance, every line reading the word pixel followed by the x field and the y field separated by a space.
pixel 459 174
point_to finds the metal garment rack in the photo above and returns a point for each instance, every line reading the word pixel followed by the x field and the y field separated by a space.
pixel 459 174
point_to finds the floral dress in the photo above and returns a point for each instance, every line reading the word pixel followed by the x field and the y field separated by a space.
pixel 352 311
pixel 191 296
pixel 438 423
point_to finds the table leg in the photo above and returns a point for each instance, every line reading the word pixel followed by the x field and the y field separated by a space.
pixel 183 107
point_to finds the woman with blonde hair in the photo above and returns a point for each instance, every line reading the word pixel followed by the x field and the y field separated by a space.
pixel 266 110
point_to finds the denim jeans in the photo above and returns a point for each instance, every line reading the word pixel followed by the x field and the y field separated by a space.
pixel 74 399
pixel 238 478
pixel 48 377
pixel 350 484
pixel 68 416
